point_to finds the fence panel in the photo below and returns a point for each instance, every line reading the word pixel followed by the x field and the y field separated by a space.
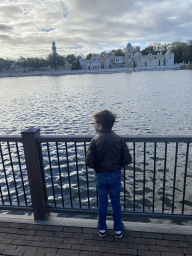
pixel 157 183
pixel 70 184
pixel 14 185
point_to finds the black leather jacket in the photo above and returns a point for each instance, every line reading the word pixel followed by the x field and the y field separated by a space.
pixel 107 152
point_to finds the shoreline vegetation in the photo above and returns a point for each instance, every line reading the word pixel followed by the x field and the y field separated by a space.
pixel 79 72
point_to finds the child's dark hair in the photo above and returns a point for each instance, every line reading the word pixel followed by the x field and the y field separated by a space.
pixel 106 118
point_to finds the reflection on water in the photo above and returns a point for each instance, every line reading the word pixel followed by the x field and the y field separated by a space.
pixel 145 102
pixel 153 102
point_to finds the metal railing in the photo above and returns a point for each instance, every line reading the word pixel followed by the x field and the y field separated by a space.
pixel 53 177
pixel 14 185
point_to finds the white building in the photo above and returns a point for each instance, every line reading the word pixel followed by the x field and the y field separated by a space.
pixel 119 62
pixel 130 60
pixel 92 64
pixel 16 69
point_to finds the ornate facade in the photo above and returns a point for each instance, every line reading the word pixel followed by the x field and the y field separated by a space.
pixel 130 60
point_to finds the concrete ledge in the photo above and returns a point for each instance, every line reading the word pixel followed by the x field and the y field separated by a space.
pixel 90 223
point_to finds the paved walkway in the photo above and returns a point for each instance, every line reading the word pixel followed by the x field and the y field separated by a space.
pixel 22 236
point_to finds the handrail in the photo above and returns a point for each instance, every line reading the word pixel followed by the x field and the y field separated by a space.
pixel 11 138
pixel 64 138
pixel 87 138
pixel 127 138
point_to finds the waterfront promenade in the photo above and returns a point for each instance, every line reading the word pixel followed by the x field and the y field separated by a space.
pixel 23 236
pixel 84 71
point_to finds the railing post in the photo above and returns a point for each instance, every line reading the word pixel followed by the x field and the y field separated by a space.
pixel 33 158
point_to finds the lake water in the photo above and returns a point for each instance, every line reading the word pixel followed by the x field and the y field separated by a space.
pixel 151 102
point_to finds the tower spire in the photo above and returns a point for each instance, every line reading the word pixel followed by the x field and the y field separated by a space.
pixel 54 47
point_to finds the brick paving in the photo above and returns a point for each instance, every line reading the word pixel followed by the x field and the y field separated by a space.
pixel 32 238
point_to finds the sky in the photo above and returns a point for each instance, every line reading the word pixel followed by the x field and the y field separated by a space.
pixel 28 28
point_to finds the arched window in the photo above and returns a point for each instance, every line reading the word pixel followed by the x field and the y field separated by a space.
pixel 164 62
pixel 159 63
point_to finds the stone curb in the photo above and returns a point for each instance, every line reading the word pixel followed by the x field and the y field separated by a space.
pixel 90 223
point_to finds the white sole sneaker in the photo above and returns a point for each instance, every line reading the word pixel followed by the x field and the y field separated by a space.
pixel 102 233
pixel 119 234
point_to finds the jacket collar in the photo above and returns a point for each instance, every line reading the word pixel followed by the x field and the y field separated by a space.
pixel 106 131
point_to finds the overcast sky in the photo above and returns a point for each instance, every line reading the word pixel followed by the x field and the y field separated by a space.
pixel 28 28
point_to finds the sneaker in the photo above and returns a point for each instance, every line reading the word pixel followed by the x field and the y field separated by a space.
pixel 102 233
pixel 119 234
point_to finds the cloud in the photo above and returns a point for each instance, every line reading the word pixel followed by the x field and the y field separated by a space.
pixel 5 28
pixel 4 37
pixel 28 28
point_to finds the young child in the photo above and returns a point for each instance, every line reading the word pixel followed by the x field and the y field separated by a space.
pixel 107 153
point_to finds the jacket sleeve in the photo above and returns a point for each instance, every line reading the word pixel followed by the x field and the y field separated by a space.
pixel 90 156
pixel 125 156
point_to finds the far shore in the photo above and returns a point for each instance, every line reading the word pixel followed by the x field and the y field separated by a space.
pixel 79 72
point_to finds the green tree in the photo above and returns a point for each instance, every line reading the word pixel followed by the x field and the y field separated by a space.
pixel 42 62
pixel 55 60
pixel 148 49
pixel 21 62
pixel 31 62
pixel 72 59
pixel 88 57
pixel 137 49
pixel 155 48
pixel 182 51
pixel 190 55
pixel 6 64
pixel 76 65
pixel 158 47
pixel 118 52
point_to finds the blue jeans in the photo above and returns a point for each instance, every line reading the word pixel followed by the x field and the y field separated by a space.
pixel 109 183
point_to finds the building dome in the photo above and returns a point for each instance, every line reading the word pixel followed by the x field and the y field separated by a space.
pixel 129 45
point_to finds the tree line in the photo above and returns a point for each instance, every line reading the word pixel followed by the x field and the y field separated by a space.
pixel 53 60
pixel 182 53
